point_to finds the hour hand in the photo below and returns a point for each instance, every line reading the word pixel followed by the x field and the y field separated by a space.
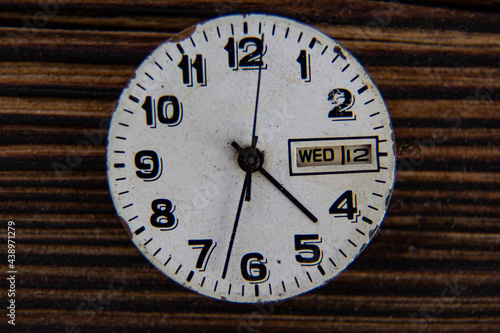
pixel 247 160
pixel 251 160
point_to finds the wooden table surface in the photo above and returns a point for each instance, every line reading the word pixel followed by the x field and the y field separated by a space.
pixel 435 264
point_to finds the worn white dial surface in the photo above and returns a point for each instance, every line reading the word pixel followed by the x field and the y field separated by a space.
pixel 251 158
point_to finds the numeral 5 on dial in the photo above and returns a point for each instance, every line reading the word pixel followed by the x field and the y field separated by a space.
pixel 309 253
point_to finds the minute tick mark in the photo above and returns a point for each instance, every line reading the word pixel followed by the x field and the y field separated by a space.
pixel 179 47
pixel 312 43
pixel 166 262
pixel 333 263
pixel 139 231
pixel 367 220
pixel 362 89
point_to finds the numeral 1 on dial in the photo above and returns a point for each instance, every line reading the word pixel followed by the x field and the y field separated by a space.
pixel 304 60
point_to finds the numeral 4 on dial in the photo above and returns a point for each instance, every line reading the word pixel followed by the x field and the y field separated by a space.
pixel 345 206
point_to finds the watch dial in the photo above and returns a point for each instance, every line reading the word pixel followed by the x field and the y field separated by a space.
pixel 251 158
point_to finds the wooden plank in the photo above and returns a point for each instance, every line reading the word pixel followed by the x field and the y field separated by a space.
pixel 75 134
pixel 371 45
pixel 116 237
pixel 454 113
pixel 143 275
pixel 102 194
pixel 428 152
pixel 393 81
pixel 439 223
pixel 218 322
pixel 360 12
pixel 169 299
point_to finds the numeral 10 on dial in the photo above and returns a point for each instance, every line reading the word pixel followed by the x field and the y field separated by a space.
pixel 167 110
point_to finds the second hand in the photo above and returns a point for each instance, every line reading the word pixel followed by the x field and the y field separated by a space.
pixel 254 129
pixel 246 191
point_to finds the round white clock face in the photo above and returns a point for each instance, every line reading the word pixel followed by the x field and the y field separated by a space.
pixel 251 159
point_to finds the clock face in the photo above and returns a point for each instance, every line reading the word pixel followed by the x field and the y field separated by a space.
pixel 251 158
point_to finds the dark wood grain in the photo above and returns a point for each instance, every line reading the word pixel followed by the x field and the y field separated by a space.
pixel 434 265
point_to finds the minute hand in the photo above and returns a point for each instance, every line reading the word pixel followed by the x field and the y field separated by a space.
pixel 288 194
